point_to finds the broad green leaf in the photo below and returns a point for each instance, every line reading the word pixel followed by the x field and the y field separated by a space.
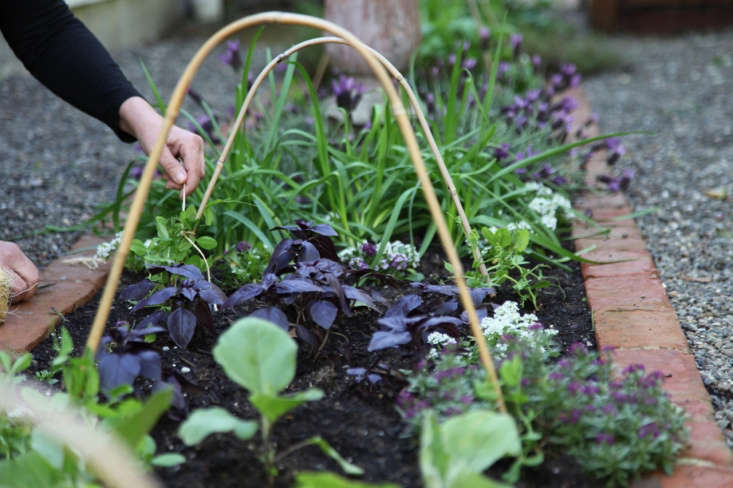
pixel 133 428
pixel 511 371
pixel 29 469
pixel 168 460
pixel 331 480
pixel 273 406
pixel 477 439
pixel 258 355
pixel 51 451
pixel 206 421
pixel 433 458
pixel 329 451
pixel 475 480
pixel 206 242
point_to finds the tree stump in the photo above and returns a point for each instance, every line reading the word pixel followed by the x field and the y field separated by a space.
pixel 392 27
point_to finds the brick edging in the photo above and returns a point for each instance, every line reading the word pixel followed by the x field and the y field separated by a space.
pixel 64 287
pixel 632 313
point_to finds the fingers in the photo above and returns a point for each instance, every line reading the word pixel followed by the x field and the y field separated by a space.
pixel 20 270
pixel 190 148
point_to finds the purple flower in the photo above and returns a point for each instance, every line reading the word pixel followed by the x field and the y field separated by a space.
pixel 347 91
pixel 577 348
pixel 207 126
pixel 502 151
pixel 469 63
pixel 631 368
pixel 452 59
pixel 368 249
pixel 574 387
pixel 136 172
pixel 564 363
pixel 556 376
pixel 231 55
pixel 559 180
pixel 536 62
pixel 243 246
pixel 502 69
pixel 520 123
pixel 536 326
pixel 466 399
pixel 590 389
pixel 516 42
pixel 604 438
pixel 609 409
pixel 484 34
pixel 649 429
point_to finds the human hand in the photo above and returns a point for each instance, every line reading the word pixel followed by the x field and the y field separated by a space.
pixel 139 119
pixel 21 272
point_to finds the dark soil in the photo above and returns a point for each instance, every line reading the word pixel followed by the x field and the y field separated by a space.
pixel 358 419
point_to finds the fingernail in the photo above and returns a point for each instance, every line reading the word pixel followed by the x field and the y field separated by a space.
pixel 180 176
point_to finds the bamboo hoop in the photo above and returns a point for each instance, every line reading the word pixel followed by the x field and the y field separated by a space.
pixel 107 456
pixel 405 127
pixel 414 102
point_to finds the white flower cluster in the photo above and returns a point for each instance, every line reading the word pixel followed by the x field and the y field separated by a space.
pixel 508 319
pixel 546 204
pixel 397 256
pixel 105 249
pixel 438 341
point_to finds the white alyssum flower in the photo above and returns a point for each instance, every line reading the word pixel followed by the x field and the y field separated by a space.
pixel 512 226
pixel 437 341
pixel 546 203
pixel 397 255
pixel 105 249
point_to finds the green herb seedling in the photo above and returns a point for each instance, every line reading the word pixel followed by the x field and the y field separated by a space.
pixel 259 356
pixel 455 453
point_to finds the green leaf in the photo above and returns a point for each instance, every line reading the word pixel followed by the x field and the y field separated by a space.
pixel 258 355
pixel 168 460
pixel 331 480
pixel 206 421
pixel 206 242
pixel 511 371
pixel 475 480
pixel 133 428
pixel 329 451
pixel 433 458
pixel 475 440
pixel 273 406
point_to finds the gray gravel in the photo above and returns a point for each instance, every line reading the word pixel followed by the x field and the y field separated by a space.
pixel 681 89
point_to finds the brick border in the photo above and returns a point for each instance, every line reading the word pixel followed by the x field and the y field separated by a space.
pixel 628 303
pixel 71 285
pixel 632 313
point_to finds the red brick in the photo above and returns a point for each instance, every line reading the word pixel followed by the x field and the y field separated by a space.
pixel 627 292
pixel 73 285
pixel 601 200
pixel 682 381
pixel 639 329
pixel 616 263
pixel 603 242
pixel 611 215
pixel 694 477
pixel 707 443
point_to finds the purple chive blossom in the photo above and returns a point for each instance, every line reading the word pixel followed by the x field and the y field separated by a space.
pixel 605 438
pixel 626 178
pixel 502 151
pixel 559 180
pixel 617 150
pixel 516 42
pixel 556 81
pixel 136 172
pixel 231 55
pixel 469 63
pixel 368 249
pixel 575 80
pixel 484 34
pixel 502 69
pixel 520 123
pixel 536 62
pixel 347 91
pixel 452 59
pixel 649 429
pixel 243 246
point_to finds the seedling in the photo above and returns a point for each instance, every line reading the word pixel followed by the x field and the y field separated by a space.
pixel 259 356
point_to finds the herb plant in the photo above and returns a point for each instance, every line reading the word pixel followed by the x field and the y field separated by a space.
pixel 260 357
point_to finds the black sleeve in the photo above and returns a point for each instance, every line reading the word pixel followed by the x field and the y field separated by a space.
pixel 63 55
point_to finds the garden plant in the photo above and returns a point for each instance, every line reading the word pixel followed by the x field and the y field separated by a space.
pixel 305 281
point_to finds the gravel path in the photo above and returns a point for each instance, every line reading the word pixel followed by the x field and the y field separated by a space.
pixel 680 89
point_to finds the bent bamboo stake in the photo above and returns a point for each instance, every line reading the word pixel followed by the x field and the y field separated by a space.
pixel 107 456
pixel 407 133
pixel 395 73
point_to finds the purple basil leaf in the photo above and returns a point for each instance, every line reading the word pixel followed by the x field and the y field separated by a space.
pixel 117 369
pixel 449 290
pixel 178 401
pixel 478 294
pixel 357 373
pixel 398 323
pixel 445 319
pixel 305 335
pixel 374 378
pixel 186 270
pixel 188 292
pixel 446 307
pixel 324 230
pixel 138 333
pixel 309 252
pixel 155 318
pixel 360 296
pixel 405 305
pixel 210 293
pixel 338 290
pixel 244 294
pixel 150 364
pixel 274 315
pixel 137 291
pixel 378 298
pixel 203 315
pixel 283 253
pixel 157 298
pixel 268 280
pixel 181 326
pixel 481 312
pixel 329 266
pixel 383 339
pixel 297 285
pixel 323 313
